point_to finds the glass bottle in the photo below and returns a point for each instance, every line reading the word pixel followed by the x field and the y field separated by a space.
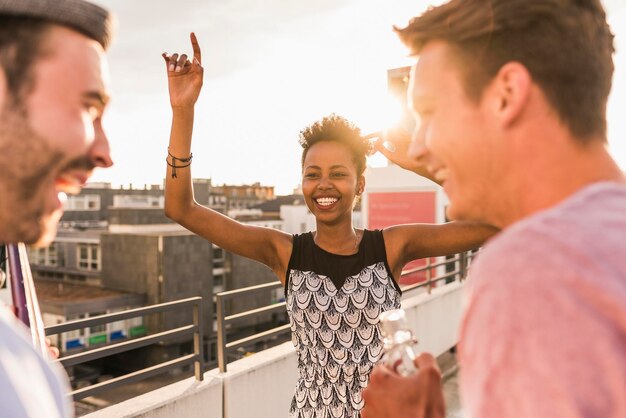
pixel 398 342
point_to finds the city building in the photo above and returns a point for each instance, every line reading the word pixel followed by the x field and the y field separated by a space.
pixel 116 250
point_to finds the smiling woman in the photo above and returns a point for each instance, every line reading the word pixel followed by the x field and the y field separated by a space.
pixel 333 161
pixel 338 279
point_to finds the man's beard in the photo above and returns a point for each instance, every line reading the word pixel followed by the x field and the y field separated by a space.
pixel 29 164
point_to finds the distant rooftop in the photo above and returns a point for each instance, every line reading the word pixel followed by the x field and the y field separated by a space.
pixel 69 299
pixel 257 218
pixel 130 186
pixel 55 291
pixel 149 229
pixel 80 235
pixel 98 185
pixel 275 204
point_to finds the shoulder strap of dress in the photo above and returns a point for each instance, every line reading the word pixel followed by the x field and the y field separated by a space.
pixel 299 249
pixel 378 244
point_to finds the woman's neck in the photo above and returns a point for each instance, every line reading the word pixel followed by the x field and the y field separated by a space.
pixel 338 239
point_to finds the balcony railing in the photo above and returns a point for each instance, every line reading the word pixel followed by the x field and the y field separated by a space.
pixel 451 269
pixel 223 320
pixel 194 329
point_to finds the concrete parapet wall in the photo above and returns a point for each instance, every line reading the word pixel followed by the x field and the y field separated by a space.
pixel 435 317
pixel 262 385
pixel 187 398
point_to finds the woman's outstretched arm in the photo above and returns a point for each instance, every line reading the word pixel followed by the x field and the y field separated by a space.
pixel 268 246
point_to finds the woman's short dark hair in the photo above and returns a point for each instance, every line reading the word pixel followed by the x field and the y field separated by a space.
pixel 337 129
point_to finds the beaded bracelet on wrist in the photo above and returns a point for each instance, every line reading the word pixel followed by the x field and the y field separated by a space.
pixel 174 159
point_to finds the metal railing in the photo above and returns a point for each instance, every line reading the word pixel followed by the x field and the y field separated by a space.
pixel 194 329
pixel 459 262
pixel 223 320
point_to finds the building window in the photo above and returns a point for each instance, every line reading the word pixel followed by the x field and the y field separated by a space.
pixel 136 328
pixel 82 202
pixel 44 256
pixel 51 257
pixel 138 201
pixel 97 328
pixel 37 256
pixel 74 339
pixel 88 256
pixel 218 280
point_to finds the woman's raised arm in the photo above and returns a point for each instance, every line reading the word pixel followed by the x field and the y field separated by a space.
pixel 268 246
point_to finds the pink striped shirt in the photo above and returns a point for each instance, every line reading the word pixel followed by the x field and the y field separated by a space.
pixel 544 329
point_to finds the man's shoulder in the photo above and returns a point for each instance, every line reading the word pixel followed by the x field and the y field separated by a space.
pixel 589 211
pixel 586 227
pixel 598 203
pixel 26 374
pixel 10 327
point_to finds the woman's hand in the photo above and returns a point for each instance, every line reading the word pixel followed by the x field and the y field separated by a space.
pixel 184 77
pixel 394 144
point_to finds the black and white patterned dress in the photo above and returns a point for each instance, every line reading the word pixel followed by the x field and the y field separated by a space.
pixel 333 303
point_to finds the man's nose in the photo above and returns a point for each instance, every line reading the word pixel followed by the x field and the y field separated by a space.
pixel 417 147
pixel 100 152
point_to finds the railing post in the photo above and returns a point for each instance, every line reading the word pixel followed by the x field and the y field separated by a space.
pixel 198 341
pixel 462 266
pixel 221 331
pixel 429 276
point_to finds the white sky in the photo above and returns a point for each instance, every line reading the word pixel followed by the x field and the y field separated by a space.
pixel 271 68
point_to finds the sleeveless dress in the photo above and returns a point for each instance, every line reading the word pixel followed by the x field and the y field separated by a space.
pixel 333 302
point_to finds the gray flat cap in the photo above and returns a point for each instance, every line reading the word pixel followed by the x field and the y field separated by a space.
pixel 87 18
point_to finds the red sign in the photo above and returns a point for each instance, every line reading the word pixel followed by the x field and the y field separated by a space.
pixel 394 208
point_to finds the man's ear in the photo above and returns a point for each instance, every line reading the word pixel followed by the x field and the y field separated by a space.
pixel 511 89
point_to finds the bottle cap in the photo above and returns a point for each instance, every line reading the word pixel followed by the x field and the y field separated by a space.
pixel 393 326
